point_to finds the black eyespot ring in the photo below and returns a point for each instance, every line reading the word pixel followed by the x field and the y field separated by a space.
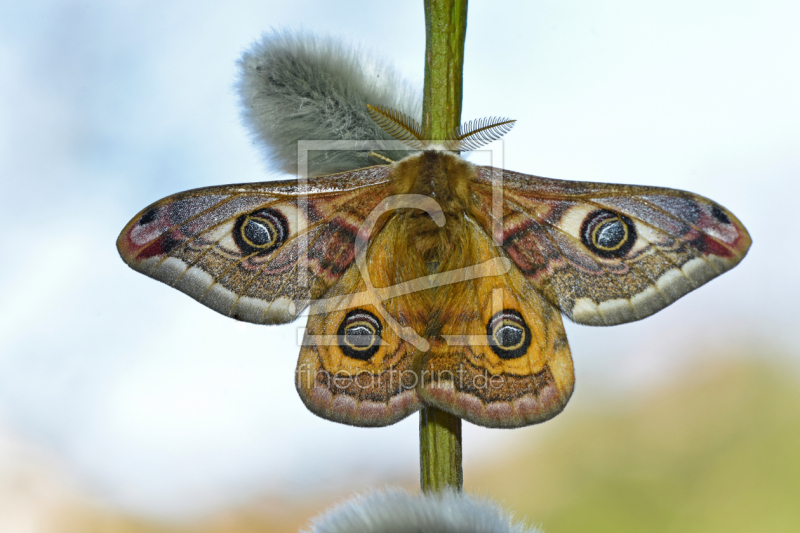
pixel 608 234
pixel 359 334
pixel 509 335
pixel 261 231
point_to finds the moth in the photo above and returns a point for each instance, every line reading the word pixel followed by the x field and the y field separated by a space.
pixel 433 281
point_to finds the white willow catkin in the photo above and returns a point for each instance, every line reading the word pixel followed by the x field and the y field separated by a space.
pixel 397 511
pixel 299 86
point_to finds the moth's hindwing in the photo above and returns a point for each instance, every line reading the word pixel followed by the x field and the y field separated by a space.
pixel 609 254
pixel 500 357
pixel 255 252
pixel 354 367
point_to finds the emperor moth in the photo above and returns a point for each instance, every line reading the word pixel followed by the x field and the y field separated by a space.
pixel 421 288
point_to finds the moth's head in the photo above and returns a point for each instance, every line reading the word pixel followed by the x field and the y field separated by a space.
pixel 465 138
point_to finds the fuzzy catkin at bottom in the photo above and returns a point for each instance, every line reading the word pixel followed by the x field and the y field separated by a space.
pixel 396 511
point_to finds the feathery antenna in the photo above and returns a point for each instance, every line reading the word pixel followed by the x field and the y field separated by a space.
pixel 469 136
pixel 400 126
pixel 476 133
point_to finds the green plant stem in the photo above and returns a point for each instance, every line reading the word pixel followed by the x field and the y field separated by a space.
pixel 439 450
pixel 445 30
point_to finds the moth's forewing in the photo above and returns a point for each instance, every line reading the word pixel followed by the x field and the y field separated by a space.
pixel 610 254
pixel 256 252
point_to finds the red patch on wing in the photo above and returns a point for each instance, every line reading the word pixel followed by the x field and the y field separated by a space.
pixel 714 247
pixel 161 246
pixel 521 245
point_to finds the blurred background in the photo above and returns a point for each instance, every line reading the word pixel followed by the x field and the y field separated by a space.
pixel 125 406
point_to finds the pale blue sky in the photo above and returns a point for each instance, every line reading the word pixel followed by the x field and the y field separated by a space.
pixel 165 406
